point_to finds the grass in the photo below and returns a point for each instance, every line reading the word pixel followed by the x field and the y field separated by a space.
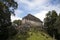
pixel 33 35
pixel 39 36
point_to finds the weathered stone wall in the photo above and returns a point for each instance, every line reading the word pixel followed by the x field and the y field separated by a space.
pixel 25 21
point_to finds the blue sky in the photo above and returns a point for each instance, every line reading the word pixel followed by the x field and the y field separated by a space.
pixel 38 8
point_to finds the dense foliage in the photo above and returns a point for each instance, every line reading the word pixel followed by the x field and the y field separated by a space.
pixel 51 23
pixel 6 9
pixel 18 22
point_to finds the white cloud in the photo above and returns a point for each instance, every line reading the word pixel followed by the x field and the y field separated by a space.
pixel 18 12
pixel 15 18
pixel 44 4
pixel 41 15
pixel 52 7
pixel 40 5
pixel 33 3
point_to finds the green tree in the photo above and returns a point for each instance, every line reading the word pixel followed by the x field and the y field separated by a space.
pixel 49 21
pixel 57 26
pixel 57 23
pixel 7 7
pixel 18 22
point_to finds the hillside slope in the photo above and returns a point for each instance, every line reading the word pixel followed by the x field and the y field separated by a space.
pixel 32 36
pixel 39 36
